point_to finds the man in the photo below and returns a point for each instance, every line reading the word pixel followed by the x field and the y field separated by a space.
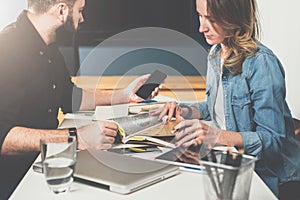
pixel 34 84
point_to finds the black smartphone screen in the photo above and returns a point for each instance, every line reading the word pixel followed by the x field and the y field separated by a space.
pixel 156 78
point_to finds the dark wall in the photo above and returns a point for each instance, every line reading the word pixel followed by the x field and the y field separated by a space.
pixel 105 18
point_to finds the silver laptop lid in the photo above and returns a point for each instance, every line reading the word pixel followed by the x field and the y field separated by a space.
pixel 120 173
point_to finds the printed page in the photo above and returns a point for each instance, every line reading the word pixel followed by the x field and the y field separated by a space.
pixel 136 124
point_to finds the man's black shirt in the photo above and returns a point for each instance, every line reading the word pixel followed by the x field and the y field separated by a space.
pixel 34 84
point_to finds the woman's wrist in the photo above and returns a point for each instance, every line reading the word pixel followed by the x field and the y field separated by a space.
pixel 230 138
pixel 187 111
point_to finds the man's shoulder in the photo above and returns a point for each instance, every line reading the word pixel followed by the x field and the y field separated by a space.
pixel 10 49
pixel 9 34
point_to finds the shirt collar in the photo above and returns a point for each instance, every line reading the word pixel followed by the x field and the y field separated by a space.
pixel 33 37
pixel 215 58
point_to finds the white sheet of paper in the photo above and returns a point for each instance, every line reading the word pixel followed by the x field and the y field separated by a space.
pixel 108 112
pixel 77 123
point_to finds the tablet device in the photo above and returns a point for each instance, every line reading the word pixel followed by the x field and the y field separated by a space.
pixel 181 156
pixel 155 79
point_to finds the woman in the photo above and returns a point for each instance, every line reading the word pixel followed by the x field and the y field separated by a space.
pixel 245 94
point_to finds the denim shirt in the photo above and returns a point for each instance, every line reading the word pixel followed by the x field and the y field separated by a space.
pixel 255 106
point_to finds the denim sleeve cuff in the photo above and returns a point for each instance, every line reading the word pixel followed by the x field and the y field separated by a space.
pixel 204 112
pixel 252 144
pixel 201 106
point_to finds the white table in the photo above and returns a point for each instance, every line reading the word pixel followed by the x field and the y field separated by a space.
pixel 185 185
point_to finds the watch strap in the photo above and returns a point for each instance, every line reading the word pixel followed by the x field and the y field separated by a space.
pixel 73 132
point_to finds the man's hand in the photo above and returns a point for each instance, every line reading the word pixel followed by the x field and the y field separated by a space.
pixel 135 85
pixel 99 135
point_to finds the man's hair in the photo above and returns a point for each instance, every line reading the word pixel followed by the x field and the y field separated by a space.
pixel 42 6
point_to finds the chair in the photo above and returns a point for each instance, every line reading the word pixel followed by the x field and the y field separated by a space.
pixel 297 128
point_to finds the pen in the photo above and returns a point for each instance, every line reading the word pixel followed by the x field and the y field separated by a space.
pixel 134 150
pixel 214 159
pixel 144 149
pixel 190 169
pixel 230 175
pixel 210 174
pixel 177 130
pixel 147 101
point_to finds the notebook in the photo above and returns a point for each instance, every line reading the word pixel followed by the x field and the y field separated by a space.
pixel 120 173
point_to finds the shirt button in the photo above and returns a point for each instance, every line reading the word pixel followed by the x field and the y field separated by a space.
pixel 54 86
pixel 41 53
pixel 49 110
pixel 49 61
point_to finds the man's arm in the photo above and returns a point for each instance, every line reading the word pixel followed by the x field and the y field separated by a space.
pixel 21 140
pixel 98 135
pixel 92 98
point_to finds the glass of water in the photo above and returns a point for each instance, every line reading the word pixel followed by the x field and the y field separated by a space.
pixel 58 155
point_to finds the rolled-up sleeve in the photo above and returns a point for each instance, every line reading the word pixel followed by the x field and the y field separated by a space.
pixel 201 106
pixel 266 78
pixel 252 143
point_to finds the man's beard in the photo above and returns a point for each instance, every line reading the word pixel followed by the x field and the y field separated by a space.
pixel 65 35
pixel 69 25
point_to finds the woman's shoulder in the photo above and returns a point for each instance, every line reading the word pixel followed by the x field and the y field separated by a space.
pixel 263 53
pixel 263 49
pixel 262 59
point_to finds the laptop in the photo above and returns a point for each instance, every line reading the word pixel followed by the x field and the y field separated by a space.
pixel 119 173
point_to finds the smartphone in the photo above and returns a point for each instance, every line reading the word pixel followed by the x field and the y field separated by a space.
pixel 155 79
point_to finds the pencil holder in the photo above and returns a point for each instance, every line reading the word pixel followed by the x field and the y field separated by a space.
pixel 227 176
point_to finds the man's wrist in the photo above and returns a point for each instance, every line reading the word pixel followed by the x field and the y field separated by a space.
pixel 73 132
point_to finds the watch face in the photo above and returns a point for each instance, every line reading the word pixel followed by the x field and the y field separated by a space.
pixel 73 132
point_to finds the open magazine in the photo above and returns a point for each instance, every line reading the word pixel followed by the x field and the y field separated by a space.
pixel 144 127
pixel 140 128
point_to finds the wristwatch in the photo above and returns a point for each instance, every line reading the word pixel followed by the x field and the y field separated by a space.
pixel 73 132
pixel 190 111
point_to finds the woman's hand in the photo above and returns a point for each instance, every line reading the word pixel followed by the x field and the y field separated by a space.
pixel 170 108
pixel 191 132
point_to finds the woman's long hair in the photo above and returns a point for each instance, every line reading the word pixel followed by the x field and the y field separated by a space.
pixel 239 18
